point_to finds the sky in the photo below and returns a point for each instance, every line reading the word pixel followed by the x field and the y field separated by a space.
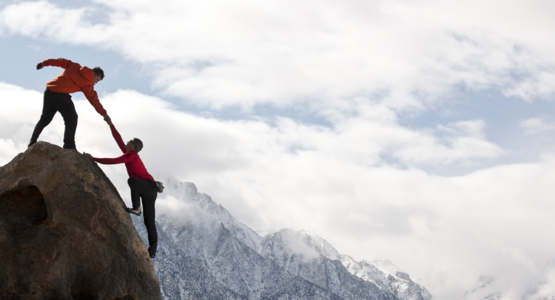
pixel 415 131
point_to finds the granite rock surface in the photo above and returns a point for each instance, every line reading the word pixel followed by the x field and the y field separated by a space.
pixel 65 233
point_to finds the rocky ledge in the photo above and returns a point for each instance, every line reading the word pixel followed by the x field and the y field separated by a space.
pixel 65 234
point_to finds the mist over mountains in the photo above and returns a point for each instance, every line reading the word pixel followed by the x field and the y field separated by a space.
pixel 205 253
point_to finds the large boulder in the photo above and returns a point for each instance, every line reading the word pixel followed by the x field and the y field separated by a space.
pixel 65 234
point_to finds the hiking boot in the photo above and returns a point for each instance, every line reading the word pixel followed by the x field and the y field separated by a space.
pixel 135 211
pixel 152 252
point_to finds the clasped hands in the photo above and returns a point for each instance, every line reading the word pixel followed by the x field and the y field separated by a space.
pixel 108 119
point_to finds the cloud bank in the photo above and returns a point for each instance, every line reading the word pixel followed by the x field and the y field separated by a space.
pixel 445 231
pixel 363 67
pixel 406 53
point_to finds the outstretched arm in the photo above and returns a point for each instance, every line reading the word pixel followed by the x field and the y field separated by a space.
pixel 115 133
pixel 109 161
pixel 92 96
pixel 112 161
pixel 60 62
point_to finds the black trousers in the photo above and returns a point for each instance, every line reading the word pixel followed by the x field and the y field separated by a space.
pixel 57 102
pixel 148 191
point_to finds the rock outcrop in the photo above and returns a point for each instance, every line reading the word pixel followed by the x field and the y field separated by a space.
pixel 65 234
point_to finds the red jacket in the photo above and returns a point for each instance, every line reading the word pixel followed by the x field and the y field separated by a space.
pixel 74 79
pixel 133 163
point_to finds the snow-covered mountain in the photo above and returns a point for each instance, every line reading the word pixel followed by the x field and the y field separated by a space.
pixel 205 253
pixel 396 281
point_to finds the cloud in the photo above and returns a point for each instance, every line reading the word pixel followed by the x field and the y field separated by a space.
pixel 462 140
pixel 182 211
pixel 446 231
pixel 7 150
pixel 358 182
pixel 540 84
pixel 219 53
pixel 547 287
pixel 294 244
pixel 536 125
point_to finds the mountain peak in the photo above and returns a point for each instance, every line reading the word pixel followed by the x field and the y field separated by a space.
pixel 303 242
pixel 386 266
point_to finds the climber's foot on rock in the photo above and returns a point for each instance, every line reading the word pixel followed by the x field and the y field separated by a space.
pixel 152 252
pixel 135 211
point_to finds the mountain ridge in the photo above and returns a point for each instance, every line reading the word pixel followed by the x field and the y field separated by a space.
pixel 244 262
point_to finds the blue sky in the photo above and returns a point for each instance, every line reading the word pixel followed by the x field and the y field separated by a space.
pixel 365 122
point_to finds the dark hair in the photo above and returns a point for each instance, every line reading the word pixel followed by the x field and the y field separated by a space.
pixel 138 144
pixel 98 71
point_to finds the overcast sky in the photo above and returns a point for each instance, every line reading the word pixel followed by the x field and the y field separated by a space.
pixel 415 131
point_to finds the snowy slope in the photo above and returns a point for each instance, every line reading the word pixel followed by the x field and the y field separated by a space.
pixel 388 277
pixel 314 259
pixel 182 276
pixel 205 253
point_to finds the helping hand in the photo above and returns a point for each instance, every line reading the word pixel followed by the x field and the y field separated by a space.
pixel 88 155
pixel 108 120
pixel 40 66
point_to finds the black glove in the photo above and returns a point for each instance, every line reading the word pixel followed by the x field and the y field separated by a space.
pixel 39 66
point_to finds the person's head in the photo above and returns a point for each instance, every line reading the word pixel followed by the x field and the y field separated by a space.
pixel 98 74
pixel 135 145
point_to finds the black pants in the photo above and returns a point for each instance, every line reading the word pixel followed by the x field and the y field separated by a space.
pixel 54 102
pixel 148 191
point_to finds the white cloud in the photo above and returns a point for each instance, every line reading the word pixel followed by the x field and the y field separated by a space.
pixel 536 125
pixel 357 183
pixel 220 53
pixel 547 287
pixel 464 142
pixel 7 150
pixel 295 245
pixel 331 181
pixel 540 84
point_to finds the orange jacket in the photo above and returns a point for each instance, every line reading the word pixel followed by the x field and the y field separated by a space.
pixel 74 79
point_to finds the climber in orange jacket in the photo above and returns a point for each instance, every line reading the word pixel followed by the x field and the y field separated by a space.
pixel 57 99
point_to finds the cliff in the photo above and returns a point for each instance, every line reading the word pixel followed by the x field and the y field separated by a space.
pixel 65 234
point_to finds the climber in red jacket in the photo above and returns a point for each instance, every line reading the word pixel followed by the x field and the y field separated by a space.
pixel 57 99
pixel 140 181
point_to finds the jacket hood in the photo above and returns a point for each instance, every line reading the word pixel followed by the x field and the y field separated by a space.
pixel 87 73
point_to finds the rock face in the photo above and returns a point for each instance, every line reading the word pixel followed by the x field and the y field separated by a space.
pixel 64 232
